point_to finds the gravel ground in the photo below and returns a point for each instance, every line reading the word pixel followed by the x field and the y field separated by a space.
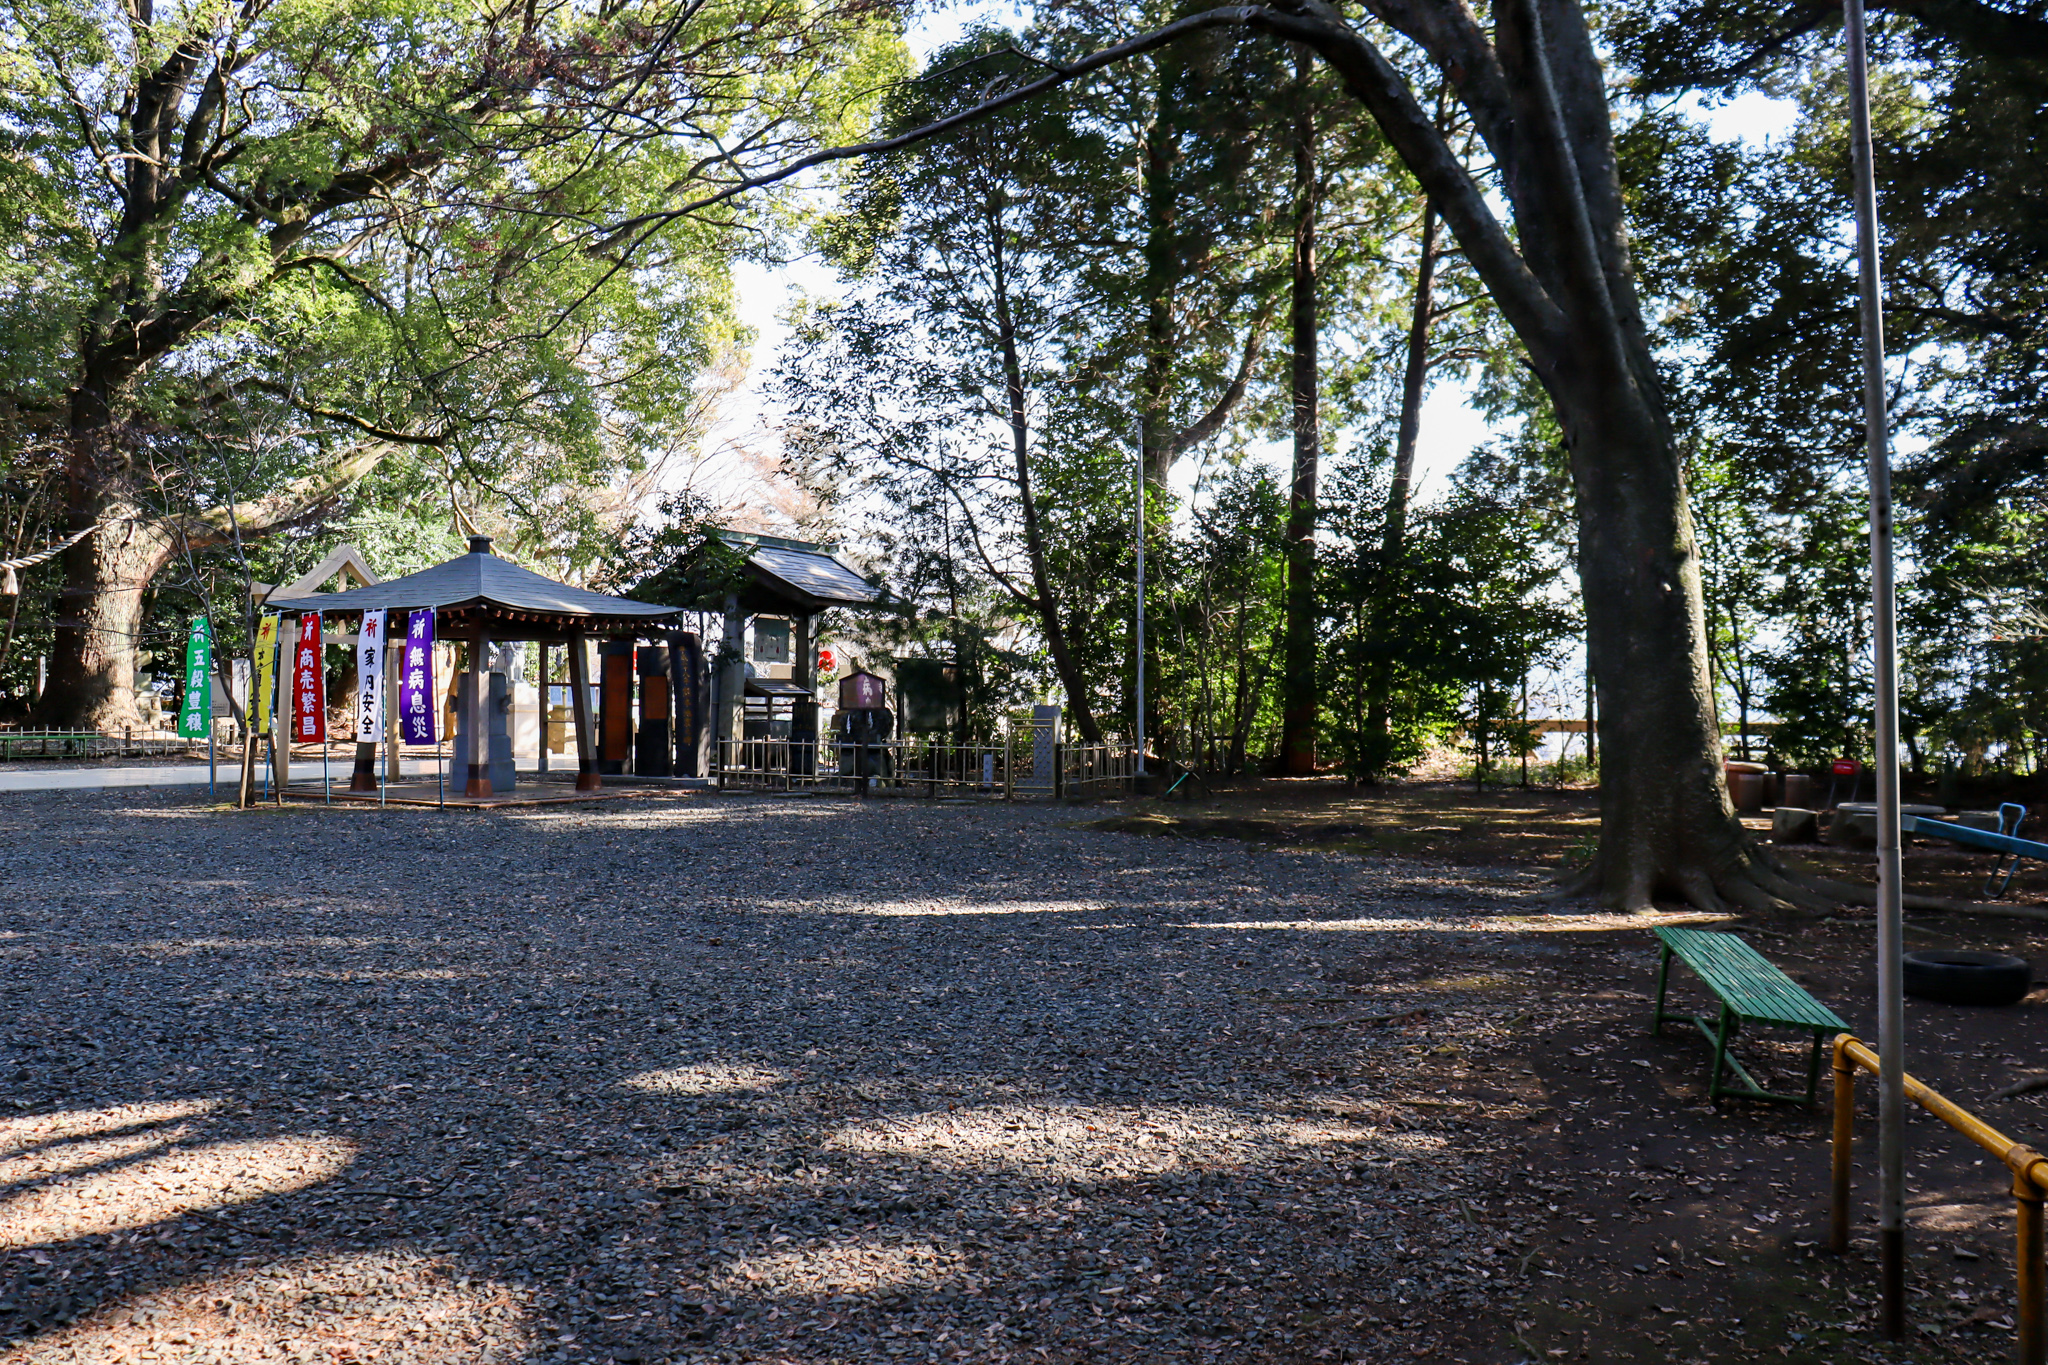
pixel 736 1079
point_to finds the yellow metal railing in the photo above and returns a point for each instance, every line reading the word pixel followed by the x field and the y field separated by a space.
pixel 2029 1186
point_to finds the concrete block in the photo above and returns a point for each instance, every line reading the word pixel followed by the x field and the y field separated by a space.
pixel 1791 825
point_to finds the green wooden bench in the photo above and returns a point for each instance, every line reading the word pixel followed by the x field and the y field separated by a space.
pixel 1751 991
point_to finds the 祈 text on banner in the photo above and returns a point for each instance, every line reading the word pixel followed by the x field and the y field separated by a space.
pixel 309 684
pixel 416 680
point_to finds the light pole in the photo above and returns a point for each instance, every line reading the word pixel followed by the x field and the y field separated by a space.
pixel 1138 719
pixel 1891 1000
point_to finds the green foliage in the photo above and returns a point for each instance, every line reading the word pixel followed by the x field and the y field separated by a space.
pixel 1447 628
pixel 1218 614
pixel 352 263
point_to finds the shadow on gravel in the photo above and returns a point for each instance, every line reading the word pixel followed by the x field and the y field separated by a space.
pixel 743 1080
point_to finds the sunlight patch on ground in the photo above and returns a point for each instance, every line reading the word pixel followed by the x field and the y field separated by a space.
pixel 1363 926
pixel 845 1268
pixel 1960 1217
pixel 1536 924
pixel 1090 1142
pixel 902 909
pixel 167 1185
pixel 706 1078
pixel 64 1158
pixel 339 1308
pixel 36 1130
pixel 1609 921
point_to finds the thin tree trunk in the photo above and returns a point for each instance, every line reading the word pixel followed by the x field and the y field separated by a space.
pixel 1298 685
pixel 1034 541
pixel 1414 384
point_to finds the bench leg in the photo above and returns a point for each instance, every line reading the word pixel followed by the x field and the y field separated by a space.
pixel 1813 1069
pixel 1721 1037
pixel 1663 979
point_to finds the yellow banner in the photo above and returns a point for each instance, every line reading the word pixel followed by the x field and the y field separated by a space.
pixel 266 675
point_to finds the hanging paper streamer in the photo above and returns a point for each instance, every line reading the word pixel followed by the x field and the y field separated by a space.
pixel 195 715
pixel 370 675
pixel 266 675
pixel 309 685
pixel 416 683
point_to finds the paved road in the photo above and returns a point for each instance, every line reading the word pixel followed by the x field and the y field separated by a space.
pixel 56 778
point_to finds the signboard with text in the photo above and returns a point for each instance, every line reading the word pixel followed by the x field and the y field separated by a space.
pixel 309 684
pixel 370 677
pixel 416 680
pixel 195 713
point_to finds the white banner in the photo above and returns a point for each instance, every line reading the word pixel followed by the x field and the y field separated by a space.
pixel 370 679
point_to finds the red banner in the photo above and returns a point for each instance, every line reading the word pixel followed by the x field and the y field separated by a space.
pixel 309 685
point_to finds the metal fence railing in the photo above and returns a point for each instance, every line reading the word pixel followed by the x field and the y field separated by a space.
pixel 1021 767
pixel 93 743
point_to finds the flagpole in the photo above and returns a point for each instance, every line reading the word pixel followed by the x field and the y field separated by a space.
pixel 1891 1003
pixel 1138 720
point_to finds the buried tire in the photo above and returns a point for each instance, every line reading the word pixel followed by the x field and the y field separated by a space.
pixel 1959 978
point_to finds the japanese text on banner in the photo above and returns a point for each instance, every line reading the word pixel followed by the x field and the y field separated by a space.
pixel 416 680
pixel 370 676
pixel 309 684
pixel 195 712
pixel 265 682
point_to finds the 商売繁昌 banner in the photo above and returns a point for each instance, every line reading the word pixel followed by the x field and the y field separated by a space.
pixel 416 680
pixel 370 678
pixel 195 714
pixel 309 685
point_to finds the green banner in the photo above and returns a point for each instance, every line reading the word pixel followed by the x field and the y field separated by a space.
pixel 195 714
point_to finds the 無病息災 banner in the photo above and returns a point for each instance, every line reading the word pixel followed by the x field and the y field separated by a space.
pixel 416 680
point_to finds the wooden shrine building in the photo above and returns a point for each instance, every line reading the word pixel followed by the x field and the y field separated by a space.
pixel 480 600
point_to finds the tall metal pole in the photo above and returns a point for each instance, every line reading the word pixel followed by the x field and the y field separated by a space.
pixel 1139 720
pixel 1891 1002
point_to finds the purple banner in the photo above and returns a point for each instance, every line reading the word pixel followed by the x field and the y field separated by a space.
pixel 416 682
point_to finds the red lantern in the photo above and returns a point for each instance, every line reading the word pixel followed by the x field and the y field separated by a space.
pixel 1845 767
pixel 825 664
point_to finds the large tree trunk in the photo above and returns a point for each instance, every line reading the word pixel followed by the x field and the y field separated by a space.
pixel 1565 282
pixel 107 575
pixel 99 610
pixel 1298 707
pixel 1667 827
pixel 99 619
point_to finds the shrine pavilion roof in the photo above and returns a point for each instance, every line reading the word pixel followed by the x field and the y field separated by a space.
pixel 795 575
pixel 481 589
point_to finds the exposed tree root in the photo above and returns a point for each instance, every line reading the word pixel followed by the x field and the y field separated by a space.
pixel 1758 882
pixel 1995 909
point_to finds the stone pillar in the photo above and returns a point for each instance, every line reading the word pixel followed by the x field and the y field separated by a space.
pixel 587 779
pixel 732 672
pixel 803 726
pixel 475 720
